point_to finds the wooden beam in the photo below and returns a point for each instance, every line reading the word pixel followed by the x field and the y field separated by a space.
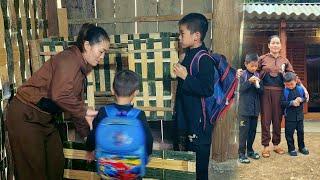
pixel 133 19
pixel 283 38
pixel 226 40
pixel 52 16
pixel 63 22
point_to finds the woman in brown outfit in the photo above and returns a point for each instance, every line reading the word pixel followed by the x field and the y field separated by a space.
pixel 272 66
pixel 57 86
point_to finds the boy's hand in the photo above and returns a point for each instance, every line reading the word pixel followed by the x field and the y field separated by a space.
pixel 239 72
pixel 90 156
pixel 295 103
pixel 180 71
pixel 252 79
pixel 299 99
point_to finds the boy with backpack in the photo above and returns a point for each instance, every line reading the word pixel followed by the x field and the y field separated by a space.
pixel 121 138
pixel 292 102
pixel 196 96
pixel 249 108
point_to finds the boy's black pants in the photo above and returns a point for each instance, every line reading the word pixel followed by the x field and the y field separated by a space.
pixel 247 133
pixel 290 126
pixel 202 160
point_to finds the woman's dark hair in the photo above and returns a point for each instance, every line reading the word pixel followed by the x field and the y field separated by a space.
pixel 125 83
pixel 271 37
pixel 91 33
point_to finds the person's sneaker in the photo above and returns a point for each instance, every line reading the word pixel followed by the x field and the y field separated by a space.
pixel 304 151
pixel 244 159
pixel 293 153
pixel 253 155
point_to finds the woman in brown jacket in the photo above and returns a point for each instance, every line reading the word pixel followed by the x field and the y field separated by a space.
pixel 271 67
pixel 57 86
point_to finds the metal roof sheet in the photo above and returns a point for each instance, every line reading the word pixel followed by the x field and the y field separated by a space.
pixel 293 11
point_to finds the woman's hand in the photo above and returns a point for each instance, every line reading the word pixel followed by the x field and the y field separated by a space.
pixel 180 71
pixel 90 115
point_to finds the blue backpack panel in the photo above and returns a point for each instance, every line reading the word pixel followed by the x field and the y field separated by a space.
pixel 120 145
pixel 224 85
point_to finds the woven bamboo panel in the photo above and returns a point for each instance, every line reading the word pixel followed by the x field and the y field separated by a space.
pixel 153 60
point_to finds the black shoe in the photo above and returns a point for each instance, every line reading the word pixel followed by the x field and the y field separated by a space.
pixel 304 151
pixel 244 159
pixel 293 153
pixel 253 155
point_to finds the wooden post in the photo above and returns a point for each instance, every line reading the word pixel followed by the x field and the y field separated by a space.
pixel 52 16
pixel 283 38
pixel 63 23
pixel 226 40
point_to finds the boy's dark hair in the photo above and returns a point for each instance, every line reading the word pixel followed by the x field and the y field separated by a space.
pixel 125 83
pixel 195 22
pixel 289 76
pixel 251 57
pixel 92 33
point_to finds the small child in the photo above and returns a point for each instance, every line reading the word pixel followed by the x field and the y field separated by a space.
pixel 116 133
pixel 292 102
pixel 249 108
pixel 191 88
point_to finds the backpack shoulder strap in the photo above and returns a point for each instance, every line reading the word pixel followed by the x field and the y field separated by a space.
pixel 301 91
pixel 134 113
pixel 286 93
pixel 194 66
pixel 111 110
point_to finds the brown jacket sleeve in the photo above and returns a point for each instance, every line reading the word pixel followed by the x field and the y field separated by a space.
pixel 67 89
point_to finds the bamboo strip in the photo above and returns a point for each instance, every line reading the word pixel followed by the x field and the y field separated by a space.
pixel 32 20
pixel 158 60
pixel 159 94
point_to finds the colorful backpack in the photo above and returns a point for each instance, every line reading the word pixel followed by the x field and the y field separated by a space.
pixel 120 145
pixel 224 85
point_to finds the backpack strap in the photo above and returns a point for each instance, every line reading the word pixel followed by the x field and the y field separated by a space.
pixel 286 93
pixel 194 66
pixel 112 111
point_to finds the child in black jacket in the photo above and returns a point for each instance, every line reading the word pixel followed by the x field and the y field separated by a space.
pixel 292 102
pixel 249 108
pixel 188 109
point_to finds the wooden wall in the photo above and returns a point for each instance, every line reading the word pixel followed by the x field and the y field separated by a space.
pixel 136 16
pixel 20 21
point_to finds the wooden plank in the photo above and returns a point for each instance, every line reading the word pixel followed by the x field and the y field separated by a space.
pixel 203 7
pixel 24 34
pixel 32 20
pixel 124 9
pixel 3 52
pixel 147 8
pixel 52 16
pixel 63 23
pixel 41 18
pixel 79 9
pixel 131 19
pixel 175 9
pixel 105 11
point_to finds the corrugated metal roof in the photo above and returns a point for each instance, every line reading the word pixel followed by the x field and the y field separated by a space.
pixel 293 11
